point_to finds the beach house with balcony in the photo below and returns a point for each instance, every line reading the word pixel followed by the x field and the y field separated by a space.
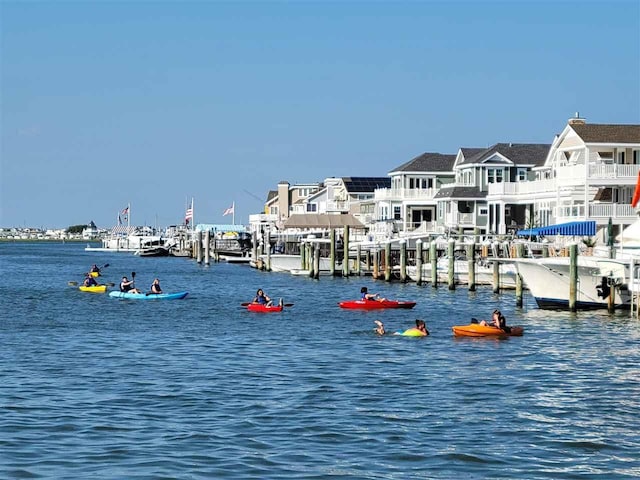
pixel 463 206
pixel 589 173
pixel 408 204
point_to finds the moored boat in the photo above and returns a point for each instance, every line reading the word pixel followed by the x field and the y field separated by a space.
pixel 149 296
pixel 375 304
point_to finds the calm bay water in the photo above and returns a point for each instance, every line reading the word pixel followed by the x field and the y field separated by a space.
pixel 93 387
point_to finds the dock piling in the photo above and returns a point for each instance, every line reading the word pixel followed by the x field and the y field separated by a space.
pixel 419 262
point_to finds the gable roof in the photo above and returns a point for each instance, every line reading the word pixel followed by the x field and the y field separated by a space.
pixel 271 195
pixel 365 184
pixel 428 162
pixel 519 153
pixel 600 133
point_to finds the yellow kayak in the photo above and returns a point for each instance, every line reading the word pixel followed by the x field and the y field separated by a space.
pixel 94 288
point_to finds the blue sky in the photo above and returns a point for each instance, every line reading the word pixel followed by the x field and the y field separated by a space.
pixel 152 103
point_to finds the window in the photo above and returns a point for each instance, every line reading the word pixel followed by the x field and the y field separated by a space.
pixel 522 174
pixel 312 207
pixel 483 211
pixel 396 213
pixel 621 157
pixel 495 175
pixel 636 157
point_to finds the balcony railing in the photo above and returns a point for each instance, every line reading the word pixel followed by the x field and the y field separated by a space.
pixel 597 211
pixel 522 188
pixel 400 194
pixel 338 206
pixel 614 170
pixel 456 218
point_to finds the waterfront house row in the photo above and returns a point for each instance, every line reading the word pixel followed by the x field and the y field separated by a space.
pixel 588 172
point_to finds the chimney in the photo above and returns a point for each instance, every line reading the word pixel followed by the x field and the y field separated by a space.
pixel 577 120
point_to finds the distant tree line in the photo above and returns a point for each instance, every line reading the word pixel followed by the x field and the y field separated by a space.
pixel 76 228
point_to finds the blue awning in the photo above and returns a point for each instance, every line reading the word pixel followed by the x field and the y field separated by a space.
pixel 578 229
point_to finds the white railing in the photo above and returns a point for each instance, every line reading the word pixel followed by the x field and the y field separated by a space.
pixel 522 188
pixel 338 206
pixel 400 194
pixel 571 175
pixel 613 210
pixel 455 218
pixel 613 170
pixel 597 211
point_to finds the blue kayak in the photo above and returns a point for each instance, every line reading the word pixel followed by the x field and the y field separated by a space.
pixel 150 296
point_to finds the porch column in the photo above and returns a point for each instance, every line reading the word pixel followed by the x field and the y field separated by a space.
pixel 503 221
pixel 588 181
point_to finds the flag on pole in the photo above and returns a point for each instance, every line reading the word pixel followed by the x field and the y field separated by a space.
pixel 230 210
pixel 125 212
pixel 636 193
pixel 188 216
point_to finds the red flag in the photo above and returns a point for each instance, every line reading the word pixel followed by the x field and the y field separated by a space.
pixel 636 193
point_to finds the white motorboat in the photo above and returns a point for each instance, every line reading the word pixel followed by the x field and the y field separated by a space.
pixel 483 272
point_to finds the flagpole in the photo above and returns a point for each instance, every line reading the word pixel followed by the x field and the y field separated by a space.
pixel 128 217
pixel 233 208
pixel 193 223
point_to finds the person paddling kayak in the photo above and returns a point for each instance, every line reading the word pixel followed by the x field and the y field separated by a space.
pixel 262 298
pixel 370 296
pixel 127 285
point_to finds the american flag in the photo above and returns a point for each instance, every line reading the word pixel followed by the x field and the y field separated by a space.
pixel 229 210
pixel 125 211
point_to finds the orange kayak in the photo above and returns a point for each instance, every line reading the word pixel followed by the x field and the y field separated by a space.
pixel 476 330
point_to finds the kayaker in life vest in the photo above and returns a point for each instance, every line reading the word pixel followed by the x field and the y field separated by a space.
pixel 370 296
pixel 155 287
pixel 89 281
pixel 95 269
pixel 127 285
pixel 262 299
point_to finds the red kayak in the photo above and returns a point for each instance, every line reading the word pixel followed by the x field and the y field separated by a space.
pixel 376 304
pixel 260 307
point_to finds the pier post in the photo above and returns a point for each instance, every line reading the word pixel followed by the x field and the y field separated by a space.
pixel 419 262
pixel 451 272
pixel 471 258
pixel 545 250
pixel 368 260
pixel 332 252
pixel 303 255
pixel 345 256
pixel 519 289
pixel 254 247
pixel 496 276
pixel 267 246
pixel 387 262
pixel 207 247
pixel 199 246
pixel 376 271
pixel 433 257
pixel 573 277
pixel 403 260
pixel 358 262
pixel 316 261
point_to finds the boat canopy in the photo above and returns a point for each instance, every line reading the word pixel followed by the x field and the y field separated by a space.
pixel 579 229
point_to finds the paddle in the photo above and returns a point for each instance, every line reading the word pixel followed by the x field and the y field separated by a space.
pixel 75 284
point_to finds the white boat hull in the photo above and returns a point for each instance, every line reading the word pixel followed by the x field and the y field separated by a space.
pixel 484 274
pixel 548 281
